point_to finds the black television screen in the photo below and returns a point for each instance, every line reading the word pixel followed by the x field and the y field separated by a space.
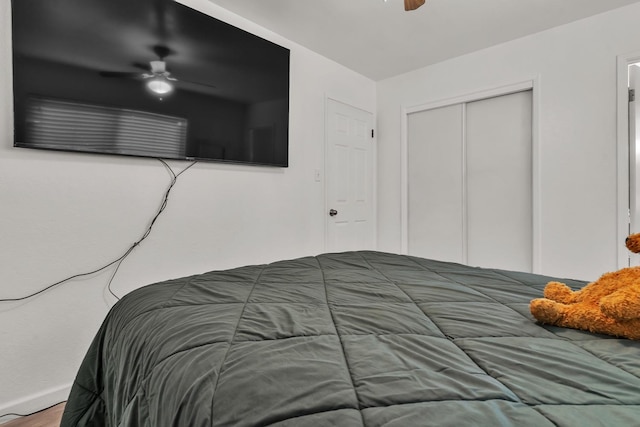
pixel 150 78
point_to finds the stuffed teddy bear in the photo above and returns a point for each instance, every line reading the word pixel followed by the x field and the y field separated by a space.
pixel 610 305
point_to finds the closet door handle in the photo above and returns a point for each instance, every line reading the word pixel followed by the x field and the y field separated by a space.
pixel 333 212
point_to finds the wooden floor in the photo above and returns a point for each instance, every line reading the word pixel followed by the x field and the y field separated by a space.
pixel 47 418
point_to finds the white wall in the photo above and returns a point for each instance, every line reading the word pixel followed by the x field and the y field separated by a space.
pixel 63 214
pixel 575 66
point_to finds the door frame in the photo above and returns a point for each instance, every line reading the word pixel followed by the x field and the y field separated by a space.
pixel 374 169
pixel 623 161
pixel 532 84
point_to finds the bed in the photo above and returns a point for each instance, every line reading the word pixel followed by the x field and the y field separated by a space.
pixel 350 339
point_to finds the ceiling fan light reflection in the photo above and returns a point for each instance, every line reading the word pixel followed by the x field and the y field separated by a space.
pixel 159 86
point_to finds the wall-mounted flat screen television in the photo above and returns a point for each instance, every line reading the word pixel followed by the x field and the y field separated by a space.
pixel 152 78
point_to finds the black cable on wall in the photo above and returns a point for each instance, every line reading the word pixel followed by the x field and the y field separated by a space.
pixel 118 261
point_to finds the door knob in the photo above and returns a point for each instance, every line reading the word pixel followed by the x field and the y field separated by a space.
pixel 333 212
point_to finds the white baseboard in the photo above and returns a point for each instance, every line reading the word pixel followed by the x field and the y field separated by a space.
pixel 35 402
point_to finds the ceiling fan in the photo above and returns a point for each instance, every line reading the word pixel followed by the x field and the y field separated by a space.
pixel 413 4
pixel 158 79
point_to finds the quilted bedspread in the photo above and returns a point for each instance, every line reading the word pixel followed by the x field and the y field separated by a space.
pixel 350 339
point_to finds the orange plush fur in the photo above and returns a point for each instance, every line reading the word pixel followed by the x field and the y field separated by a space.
pixel 610 305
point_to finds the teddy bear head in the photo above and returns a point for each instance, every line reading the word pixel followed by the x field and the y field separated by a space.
pixel 633 243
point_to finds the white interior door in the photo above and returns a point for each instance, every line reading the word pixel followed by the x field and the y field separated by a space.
pixel 349 177
pixel 470 182
pixel 634 157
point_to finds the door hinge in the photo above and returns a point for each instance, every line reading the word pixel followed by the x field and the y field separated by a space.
pixel 632 95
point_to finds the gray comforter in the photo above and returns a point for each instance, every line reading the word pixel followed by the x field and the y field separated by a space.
pixel 350 339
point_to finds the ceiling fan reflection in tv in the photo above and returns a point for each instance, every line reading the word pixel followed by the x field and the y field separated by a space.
pixel 157 77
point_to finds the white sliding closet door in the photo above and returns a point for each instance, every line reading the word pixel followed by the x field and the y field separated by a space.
pixel 499 182
pixel 435 183
pixel 469 175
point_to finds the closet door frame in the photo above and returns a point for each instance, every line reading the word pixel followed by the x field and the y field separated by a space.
pixel 623 157
pixel 525 85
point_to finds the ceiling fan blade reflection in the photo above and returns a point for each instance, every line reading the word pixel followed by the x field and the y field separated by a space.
pixel 195 84
pixel 141 66
pixel 119 74
pixel 413 4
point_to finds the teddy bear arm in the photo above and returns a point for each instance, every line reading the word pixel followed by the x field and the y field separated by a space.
pixel 622 305
pixel 559 292
pixel 583 316
pixel 546 311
